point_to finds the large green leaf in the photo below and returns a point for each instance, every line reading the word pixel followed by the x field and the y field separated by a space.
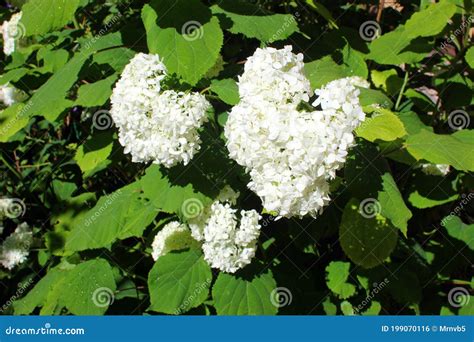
pixel 324 70
pixel 382 125
pixel 245 294
pixel 336 279
pixel 119 215
pixel 37 296
pixel 454 149
pixel 95 94
pixel 248 20
pixel 396 48
pixel 43 16
pixel 365 236
pixel 12 119
pixel 392 204
pixel 85 289
pixel 431 20
pixel 185 35
pixel 89 288
pixel 179 282
pixel 169 197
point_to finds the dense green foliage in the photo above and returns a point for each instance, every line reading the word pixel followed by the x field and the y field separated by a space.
pixel 94 213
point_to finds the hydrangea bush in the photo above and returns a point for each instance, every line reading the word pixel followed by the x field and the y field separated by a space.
pixel 244 157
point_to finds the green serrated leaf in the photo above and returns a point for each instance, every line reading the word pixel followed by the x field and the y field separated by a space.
pixel 43 16
pixel 454 149
pixel 179 282
pixel 382 125
pixel 337 274
pixel 189 46
pixel 430 21
pixel 227 90
pixel 366 238
pixel 247 20
pixel 95 94
pixel 245 295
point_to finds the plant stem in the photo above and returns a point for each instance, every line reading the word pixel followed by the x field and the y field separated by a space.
pixel 402 91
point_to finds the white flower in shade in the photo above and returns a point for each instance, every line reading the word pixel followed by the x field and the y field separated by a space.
pixel 11 33
pixel 228 242
pixel 228 245
pixel 16 247
pixel 174 236
pixel 435 169
pixel 291 155
pixel 10 95
pixel 156 125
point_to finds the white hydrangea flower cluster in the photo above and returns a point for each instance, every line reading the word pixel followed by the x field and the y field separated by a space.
pixel 11 32
pixel 228 242
pixel 10 95
pixel 16 247
pixel 435 169
pixel 228 245
pixel 154 124
pixel 291 154
pixel 173 236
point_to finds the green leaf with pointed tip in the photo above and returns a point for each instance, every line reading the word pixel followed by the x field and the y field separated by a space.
pixel 368 240
pixel 179 282
pixel 95 94
pixel 12 120
pixel 396 48
pixel 119 215
pixel 227 90
pixel 85 289
pixel 246 19
pixel 454 149
pixel 324 70
pixel 337 274
pixel 249 294
pixel 43 16
pixel 185 35
pixel 430 21
pixel 392 204
pixel 37 296
pixel 382 125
